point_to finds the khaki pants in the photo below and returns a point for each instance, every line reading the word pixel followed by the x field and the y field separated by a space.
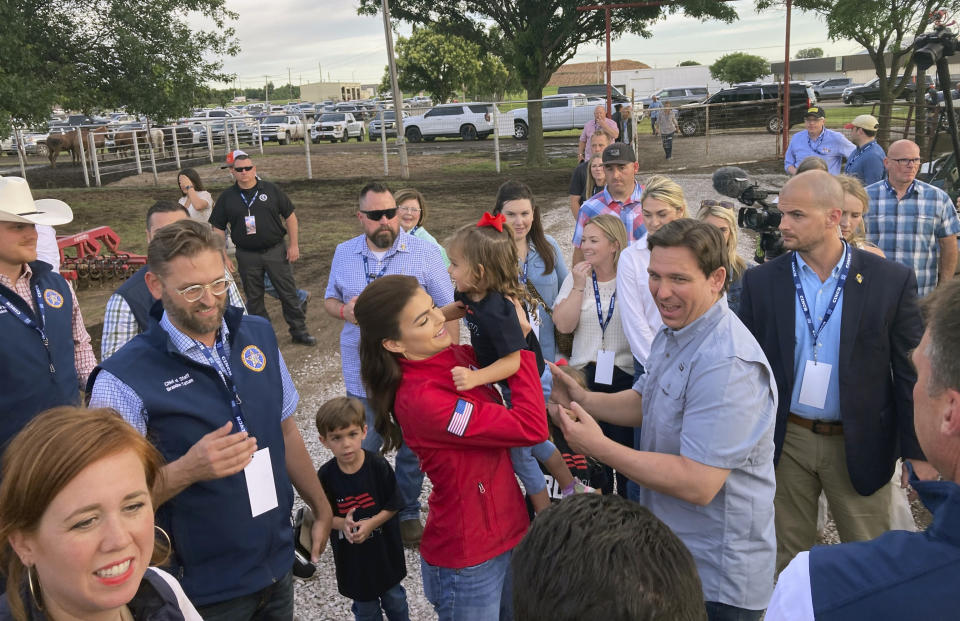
pixel 811 463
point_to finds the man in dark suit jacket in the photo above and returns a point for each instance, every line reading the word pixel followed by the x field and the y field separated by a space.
pixel 844 377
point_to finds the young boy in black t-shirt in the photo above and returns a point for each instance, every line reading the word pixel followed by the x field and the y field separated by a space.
pixel 362 490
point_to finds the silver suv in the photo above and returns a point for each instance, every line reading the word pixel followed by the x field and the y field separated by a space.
pixel 469 121
pixel 678 95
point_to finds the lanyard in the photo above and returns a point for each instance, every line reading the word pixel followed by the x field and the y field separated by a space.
pixel 859 152
pixel 227 379
pixel 249 203
pixel 413 231
pixel 366 269
pixel 816 144
pixel 523 274
pixel 613 299
pixel 841 280
pixel 30 322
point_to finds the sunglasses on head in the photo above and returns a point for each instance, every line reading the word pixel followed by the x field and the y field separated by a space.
pixel 376 214
pixel 242 168
pixel 709 202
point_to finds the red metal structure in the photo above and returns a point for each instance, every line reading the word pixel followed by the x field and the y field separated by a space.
pixel 96 256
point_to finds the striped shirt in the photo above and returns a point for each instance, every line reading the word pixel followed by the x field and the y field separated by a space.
pixel 110 392
pixel 908 229
pixel 83 357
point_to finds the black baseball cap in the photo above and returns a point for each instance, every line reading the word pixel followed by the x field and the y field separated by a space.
pixel 816 111
pixel 619 153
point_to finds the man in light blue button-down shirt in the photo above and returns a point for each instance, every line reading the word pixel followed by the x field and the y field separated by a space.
pixel 837 325
pixel 708 405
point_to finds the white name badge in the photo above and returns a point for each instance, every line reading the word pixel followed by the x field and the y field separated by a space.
pixel 260 485
pixel 534 319
pixel 816 379
pixel 250 223
pixel 604 374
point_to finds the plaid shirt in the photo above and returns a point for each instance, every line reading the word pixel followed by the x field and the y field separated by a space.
pixel 908 229
pixel 409 256
pixel 83 357
pixel 602 203
pixel 109 392
pixel 120 325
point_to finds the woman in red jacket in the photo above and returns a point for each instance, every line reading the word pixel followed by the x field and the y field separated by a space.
pixel 477 513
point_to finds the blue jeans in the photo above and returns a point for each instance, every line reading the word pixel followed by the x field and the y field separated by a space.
pixel 725 612
pixel 270 290
pixel 409 476
pixel 271 603
pixel 483 592
pixel 393 601
pixel 524 460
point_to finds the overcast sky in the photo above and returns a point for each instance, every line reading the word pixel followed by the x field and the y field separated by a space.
pixel 306 36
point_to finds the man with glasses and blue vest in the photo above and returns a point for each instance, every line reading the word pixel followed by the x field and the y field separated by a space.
pixel 46 355
pixel 381 249
pixel 208 386
pixel 913 222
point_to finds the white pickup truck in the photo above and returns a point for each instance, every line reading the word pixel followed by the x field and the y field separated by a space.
pixel 281 127
pixel 559 112
pixel 334 126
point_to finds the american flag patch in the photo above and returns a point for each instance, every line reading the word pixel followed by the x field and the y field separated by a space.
pixel 461 417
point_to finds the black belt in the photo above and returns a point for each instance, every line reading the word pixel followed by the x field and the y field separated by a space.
pixel 819 427
pixel 259 250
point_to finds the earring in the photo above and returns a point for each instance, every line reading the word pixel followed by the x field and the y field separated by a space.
pixel 165 536
pixel 35 593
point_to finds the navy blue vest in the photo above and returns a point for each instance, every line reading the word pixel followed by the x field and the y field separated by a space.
pixel 27 386
pixel 899 575
pixel 220 551
pixel 135 293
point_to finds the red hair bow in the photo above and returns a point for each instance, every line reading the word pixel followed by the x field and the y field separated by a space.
pixel 494 221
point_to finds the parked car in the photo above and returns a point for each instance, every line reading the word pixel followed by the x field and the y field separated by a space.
pixel 678 95
pixel 334 126
pixel 762 111
pixel 281 127
pixel 859 95
pixel 34 142
pixel 469 121
pixel 832 88
pixel 599 90
pixel 389 125
pixel 558 112
pixel 246 128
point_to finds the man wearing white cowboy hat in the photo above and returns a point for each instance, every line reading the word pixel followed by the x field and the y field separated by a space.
pixel 46 355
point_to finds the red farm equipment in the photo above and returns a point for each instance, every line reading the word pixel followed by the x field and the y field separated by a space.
pixel 94 257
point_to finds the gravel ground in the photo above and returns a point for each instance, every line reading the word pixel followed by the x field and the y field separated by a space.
pixel 318 599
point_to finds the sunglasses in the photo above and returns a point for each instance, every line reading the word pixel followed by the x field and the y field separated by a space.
pixel 376 214
pixel 709 202
pixel 242 168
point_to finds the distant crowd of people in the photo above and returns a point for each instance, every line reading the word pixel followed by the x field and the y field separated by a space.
pixel 679 421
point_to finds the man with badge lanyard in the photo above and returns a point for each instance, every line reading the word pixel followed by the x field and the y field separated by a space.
pixel 208 385
pixel 866 162
pixel 46 355
pixel 260 215
pixel 830 146
pixel 842 368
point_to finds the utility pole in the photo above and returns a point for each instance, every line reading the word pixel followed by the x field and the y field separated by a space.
pixel 266 91
pixel 397 101
pixel 290 82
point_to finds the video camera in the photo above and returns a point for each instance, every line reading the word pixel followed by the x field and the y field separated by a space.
pixel 733 182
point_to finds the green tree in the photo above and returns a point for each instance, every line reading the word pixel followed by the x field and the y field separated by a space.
pixel 688 63
pixel 437 63
pixel 739 67
pixel 536 38
pixel 493 81
pixel 109 53
pixel 810 52
pixel 885 29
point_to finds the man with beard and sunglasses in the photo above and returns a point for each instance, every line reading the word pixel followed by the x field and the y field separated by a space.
pixel 260 215
pixel 383 248
pixel 210 389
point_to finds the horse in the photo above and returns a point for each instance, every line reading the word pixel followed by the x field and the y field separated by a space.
pixel 123 140
pixel 70 141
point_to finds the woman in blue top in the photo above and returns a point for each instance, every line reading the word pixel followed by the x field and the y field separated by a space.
pixel 541 263
pixel 413 211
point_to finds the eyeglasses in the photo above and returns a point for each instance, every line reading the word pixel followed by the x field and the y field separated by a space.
pixel 242 168
pixel 194 292
pixel 904 161
pixel 709 202
pixel 408 209
pixel 376 214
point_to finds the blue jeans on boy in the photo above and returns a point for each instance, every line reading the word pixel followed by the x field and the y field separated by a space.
pixel 482 592
pixel 393 602
pixel 407 468
pixel 270 290
pixel 525 466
